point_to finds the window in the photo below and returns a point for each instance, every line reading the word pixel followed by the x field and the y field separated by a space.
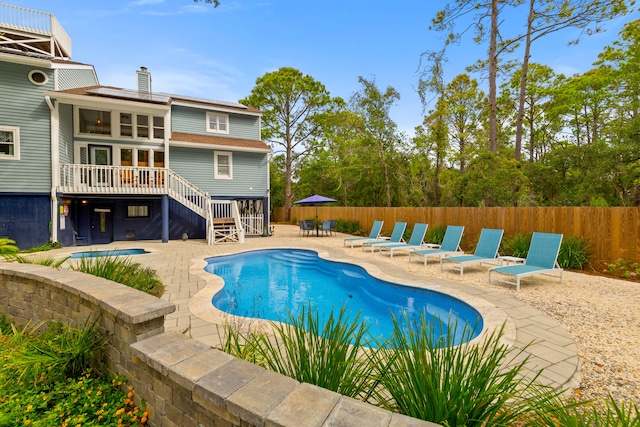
pixel 158 127
pixel 143 126
pixel 143 158
pixel 9 143
pixel 126 124
pixel 38 77
pixel 94 121
pixel 158 159
pixel 218 123
pixel 138 211
pixel 222 165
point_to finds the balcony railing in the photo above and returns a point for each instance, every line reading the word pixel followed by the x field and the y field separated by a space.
pixel 36 22
pixel 94 179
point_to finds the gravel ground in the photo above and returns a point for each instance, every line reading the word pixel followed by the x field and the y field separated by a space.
pixel 602 314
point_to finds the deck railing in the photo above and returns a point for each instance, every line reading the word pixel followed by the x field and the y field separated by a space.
pixel 35 21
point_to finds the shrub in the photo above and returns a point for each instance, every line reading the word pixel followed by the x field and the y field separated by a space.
pixel 425 376
pixel 39 260
pixel 349 227
pixel 7 246
pixel 517 245
pixel 52 398
pixel 435 234
pixel 574 253
pixel 329 353
pixel 622 268
pixel 46 247
pixel 124 271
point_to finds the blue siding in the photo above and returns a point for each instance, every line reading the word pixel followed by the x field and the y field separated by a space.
pixel 22 104
pixel 194 120
pixel 72 78
pixel 25 219
pixel 66 134
pixel 250 178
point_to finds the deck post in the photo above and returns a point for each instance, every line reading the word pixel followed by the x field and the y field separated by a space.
pixel 165 218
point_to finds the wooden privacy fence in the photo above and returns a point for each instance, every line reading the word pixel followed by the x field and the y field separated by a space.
pixel 611 232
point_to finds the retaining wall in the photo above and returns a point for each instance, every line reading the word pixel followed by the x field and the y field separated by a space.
pixel 184 382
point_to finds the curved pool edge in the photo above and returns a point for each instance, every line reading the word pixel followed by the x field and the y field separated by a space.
pixel 492 316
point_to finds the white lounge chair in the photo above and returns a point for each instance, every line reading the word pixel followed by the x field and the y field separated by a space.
pixel 450 244
pixel 542 258
pixel 486 250
pixel 415 241
pixel 374 235
pixel 396 237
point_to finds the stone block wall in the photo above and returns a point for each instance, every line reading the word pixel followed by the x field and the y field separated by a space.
pixel 184 382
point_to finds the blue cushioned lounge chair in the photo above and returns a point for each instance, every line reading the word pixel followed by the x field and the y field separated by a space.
pixel 541 259
pixel 450 244
pixel 415 241
pixel 486 250
pixel 374 235
pixel 396 237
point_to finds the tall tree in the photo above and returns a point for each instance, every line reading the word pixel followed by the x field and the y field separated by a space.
pixel 376 129
pixel 554 15
pixel 292 105
pixel 446 19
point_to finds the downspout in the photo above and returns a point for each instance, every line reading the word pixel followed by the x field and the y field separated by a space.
pixel 55 166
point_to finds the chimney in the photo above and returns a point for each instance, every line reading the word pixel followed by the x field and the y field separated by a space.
pixel 144 80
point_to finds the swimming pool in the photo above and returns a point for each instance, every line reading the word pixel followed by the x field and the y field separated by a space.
pixel 265 283
pixel 111 252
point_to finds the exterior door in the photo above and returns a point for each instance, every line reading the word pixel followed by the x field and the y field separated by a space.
pixel 100 156
pixel 101 225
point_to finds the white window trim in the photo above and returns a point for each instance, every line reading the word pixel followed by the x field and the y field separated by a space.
pixel 32 80
pixel 216 175
pixel 114 115
pixel 16 143
pixel 216 114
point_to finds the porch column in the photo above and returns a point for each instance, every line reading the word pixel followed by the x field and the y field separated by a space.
pixel 165 218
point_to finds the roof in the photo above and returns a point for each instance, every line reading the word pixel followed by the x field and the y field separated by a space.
pixel 220 141
pixel 155 97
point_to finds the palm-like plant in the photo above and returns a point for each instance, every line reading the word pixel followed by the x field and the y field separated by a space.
pixel 7 246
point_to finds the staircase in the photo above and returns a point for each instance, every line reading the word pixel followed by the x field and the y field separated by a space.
pixel 222 216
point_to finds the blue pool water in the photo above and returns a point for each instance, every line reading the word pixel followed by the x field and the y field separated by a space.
pixel 264 284
pixel 112 252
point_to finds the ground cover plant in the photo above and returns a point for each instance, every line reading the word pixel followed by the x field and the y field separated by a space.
pixel 47 379
pixel 418 373
pixel 122 270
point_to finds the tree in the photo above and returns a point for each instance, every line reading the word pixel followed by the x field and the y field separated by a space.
pixel 215 3
pixel 556 15
pixel 292 105
pixel 376 129
pixel 482 10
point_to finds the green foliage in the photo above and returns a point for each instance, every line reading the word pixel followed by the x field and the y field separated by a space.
pixel 435 234
pixel 574 252
pixel 623 269
pixel 349 227
pixel 425 376
pixel 7 246
pixel 59 352
pixel 123 270
pixel 46 247
pixel 39 260
pixel 613 414
pixel 330 354
pixel 85 398
pixel 517 245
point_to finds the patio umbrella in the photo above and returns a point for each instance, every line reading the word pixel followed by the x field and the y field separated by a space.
pixel 315 200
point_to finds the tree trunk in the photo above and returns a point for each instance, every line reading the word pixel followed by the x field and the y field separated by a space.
pixel 523 81
pixel 493 67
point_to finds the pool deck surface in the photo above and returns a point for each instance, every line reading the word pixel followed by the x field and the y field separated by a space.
pixel 181 268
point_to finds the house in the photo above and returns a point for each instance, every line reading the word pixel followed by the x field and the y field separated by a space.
pixel 84 163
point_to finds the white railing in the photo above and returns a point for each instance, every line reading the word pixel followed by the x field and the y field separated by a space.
pixel 188 194
pixel 95 179
pixel 217 233
pixel 35 21
pixel 253 224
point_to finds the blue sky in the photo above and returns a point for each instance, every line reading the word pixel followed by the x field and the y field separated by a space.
pixel 218 53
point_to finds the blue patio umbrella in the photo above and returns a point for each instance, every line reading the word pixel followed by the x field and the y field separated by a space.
pixel 315 200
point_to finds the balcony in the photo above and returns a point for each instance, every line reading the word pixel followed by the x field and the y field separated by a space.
pixel 33 32
pixel 95 179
